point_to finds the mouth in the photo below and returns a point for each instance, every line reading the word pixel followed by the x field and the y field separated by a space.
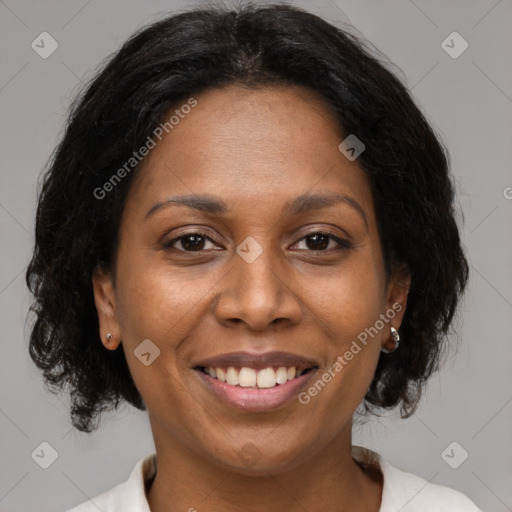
pixel 255 382
pixel 262 370
pixel 247 377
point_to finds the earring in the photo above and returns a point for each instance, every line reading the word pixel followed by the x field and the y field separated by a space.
pixel 109 336
pixel 396 339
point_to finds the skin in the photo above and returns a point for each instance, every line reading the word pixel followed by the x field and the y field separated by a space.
pixel 255 149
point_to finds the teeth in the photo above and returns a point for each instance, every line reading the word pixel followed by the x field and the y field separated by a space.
pixel 232 376
pixel 281 375
pixel 248 377
pixel 266 378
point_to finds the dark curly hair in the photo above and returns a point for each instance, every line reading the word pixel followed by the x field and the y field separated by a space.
pixel 250 46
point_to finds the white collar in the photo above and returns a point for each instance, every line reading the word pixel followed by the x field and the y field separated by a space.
pixel 401 490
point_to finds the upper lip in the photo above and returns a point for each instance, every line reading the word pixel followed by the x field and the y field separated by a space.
pixel 258 361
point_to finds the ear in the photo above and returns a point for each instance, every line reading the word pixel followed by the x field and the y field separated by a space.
pixel 104 300
pixel 397 292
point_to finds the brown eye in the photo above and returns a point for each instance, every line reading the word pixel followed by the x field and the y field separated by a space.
pixel 320 241
pixel 190 242
pixel 317 242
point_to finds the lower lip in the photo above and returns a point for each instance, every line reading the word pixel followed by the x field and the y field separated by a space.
pixel 256 400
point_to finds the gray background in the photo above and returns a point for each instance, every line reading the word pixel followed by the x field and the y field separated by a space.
pixel 468 100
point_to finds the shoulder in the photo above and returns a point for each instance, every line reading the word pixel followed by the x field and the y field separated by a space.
pixel 410 493
pixel 129 495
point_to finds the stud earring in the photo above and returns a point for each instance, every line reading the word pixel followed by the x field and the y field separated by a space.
pixel 109 336
pixel 396 339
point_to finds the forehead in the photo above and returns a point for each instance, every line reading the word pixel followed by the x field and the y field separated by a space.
pixel 247 145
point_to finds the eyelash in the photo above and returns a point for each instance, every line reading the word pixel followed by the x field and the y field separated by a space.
pixel 342 243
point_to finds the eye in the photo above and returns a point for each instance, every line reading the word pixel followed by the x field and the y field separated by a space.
pixel 189 242
pixel 321 241
pixel 196 241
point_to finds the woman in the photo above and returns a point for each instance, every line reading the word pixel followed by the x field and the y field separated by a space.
pixel 248 230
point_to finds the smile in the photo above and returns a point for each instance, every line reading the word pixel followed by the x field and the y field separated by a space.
pixel 246 377
pixel 247 395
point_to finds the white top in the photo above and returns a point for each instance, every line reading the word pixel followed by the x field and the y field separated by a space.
pixel 402 491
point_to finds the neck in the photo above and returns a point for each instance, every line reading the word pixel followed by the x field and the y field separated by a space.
pixel 329 479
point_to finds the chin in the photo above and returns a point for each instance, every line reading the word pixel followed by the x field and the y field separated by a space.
pixel 261 458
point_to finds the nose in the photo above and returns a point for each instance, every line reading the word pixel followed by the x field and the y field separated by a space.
pixel 258 294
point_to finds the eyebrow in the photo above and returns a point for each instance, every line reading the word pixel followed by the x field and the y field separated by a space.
pixel 300 205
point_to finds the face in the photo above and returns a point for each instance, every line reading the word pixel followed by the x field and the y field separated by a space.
pixel 283 255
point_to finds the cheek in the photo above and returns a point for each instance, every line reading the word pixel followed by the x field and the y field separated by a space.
pixel 155 301
pixel 350 298
pixel 346 305
pixel 164 305
pixel 153 305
